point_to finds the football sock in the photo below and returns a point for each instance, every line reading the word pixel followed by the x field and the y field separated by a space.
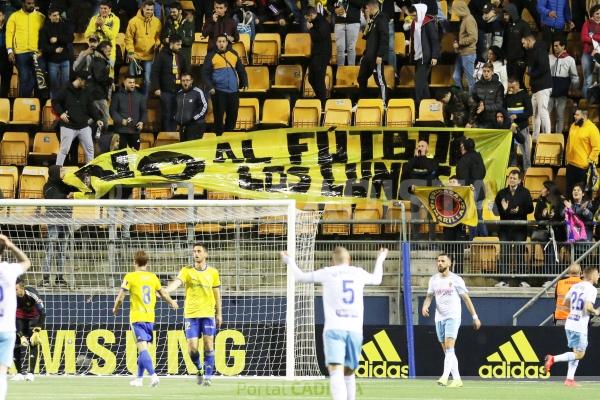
pixel 350 387
pixel 209 363
pixel 3 386
pixel 337 385
pixel 568 356
pixel 572 368
pixel 454 370
pixel 195 356
pixel 448 362
pixel 145 363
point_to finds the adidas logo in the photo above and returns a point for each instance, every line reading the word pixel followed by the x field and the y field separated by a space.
pixel 515 359
pixel 379 359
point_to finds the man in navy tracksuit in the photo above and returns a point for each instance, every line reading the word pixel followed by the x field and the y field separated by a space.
pixel 377 41
pixel 224 75
pixel 191 109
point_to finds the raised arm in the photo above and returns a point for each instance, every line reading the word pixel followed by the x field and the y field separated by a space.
pixel 377 276
pixel 18 253
pixel 175 283
pixel 471 308
pixel 299 275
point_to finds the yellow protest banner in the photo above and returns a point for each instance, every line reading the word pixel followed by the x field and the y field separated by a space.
pixel 311 165
pixel 449 206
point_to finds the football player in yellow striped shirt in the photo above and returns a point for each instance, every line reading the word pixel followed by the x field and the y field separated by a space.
pixel 142 286
pixel 202 309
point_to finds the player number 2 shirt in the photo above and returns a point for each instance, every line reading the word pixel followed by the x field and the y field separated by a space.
pixel 199 297
pixel 579 294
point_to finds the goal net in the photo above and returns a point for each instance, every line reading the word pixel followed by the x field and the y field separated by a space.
pixel 268 322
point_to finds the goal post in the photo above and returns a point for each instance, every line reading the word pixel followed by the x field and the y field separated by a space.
pixel 268 327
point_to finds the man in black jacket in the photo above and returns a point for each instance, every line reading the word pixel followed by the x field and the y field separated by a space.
pixel 74 105
pixel 516 29
pixel 320 36
pixel 191 109
pixel 377 39
pixel 100 81
pixel 178 24
pixel 457 106
pixel 518 106
pixel 538 66
pixel 513 203
pixel 424 53
pixel 166 71
pixel 128 112
pixel 55 42
pixel 470 171
pixel 487 99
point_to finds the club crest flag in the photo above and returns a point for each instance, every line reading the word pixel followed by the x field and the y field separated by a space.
pixel 449 206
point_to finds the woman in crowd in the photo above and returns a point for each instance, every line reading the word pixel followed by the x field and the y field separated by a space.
pixel 582 208
pixel 549 207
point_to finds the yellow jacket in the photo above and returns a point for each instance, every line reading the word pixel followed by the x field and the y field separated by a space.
pixel 583 145
pixel 142 37
pixel 109 31
pixel 22 31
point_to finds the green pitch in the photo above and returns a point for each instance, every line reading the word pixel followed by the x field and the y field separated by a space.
pixel 230 388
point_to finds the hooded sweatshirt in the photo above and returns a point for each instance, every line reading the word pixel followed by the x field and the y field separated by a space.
pixel 467 35
pixel 424 37
pixel 142 37
pixel 539 67
pixel 564 74
pixel 515 30
pixel 55 188
pixel 589 27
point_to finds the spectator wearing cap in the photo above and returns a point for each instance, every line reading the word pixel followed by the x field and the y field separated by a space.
pixel 105 26
pixel 564 76
pixel 142 40
pixel 538 67
pixel 128 111
pixel 466 45
pixel 183 26
pixel 22 42
pixel 220 23
pixel 493 26
pixel 74 105
pixel 84 59
pixel 224 75
pixel 516 29
pixel 56 38
pixel 555 16
pixel 166 75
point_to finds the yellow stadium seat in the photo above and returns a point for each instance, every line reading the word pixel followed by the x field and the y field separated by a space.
pixel 212 195
pixel 199 50
pixel 275 225
pixel 400 44
pixel 535 178
pixel 388 74
pixel 146 140
pixel 183 190
pixel 45 147
pixel 297 45
pixel 338 112
pixel 241 50
pixel 308 89
pixel 549 149
pixel 276 112
pixel 9 176
pixel 32 181
pixel 369 112
pixel 248 114
pixel 13 91
pixel 258 79
pixel 48 117
pixel 266 49
pixel 407 77
pixel 14 148
pixel 158 193
pixel 367 211
pixel 198 37
pixel 336 211
pixel 288 77
pixel 394 212
pixel 431 110
pixel 484 254
pixel 346 77
pixel 4 111
pixel 400 113
pixel 361 44
pixel 245 38
pixel 166 138
pixel 441 76
pixel 26 111
pixel 307 113
pixel 561 179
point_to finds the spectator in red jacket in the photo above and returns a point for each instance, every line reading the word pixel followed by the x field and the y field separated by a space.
pixel 590 33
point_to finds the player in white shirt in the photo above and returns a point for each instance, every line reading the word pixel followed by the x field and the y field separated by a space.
pixel 448 288
pixel 9 272
pixel 343 306
pixel 580 299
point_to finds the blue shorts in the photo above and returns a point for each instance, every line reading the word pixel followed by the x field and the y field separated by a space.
pixel 197 327
pixel 447 329
pixel 143 331
pixel 342 347
pixel 7 345
pixel 576 340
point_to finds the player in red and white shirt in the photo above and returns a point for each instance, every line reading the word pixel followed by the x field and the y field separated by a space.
pixel 448 289
pixel 580 299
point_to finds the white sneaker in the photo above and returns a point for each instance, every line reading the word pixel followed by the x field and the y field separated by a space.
pixel 18 377
pixel 547 284
pixel 525 284
pixel 501 284
pixel 29 377
pixel 137 382
pixel 354 108
pixel 154 381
